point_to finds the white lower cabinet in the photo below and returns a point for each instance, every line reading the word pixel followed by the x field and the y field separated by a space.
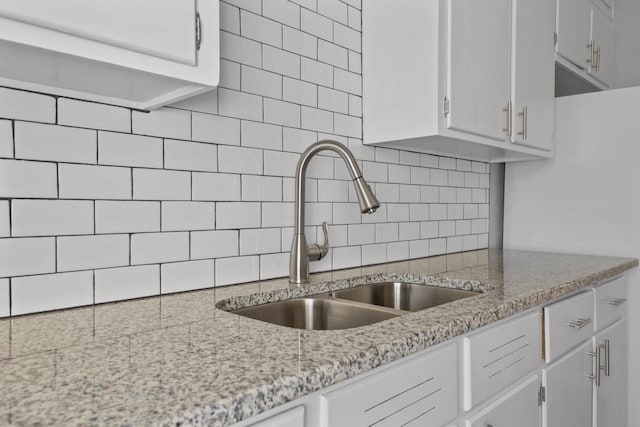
pixel 610 396
pixel 517 404
pixel 420 392
pixel 568 389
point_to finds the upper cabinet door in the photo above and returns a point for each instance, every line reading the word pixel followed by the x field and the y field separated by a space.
pixel 164 29
pixel 602 38
pixel 533 73
pixel 572 26
pixel 478 66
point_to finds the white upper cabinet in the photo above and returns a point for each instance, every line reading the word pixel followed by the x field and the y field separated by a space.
pixel 439 79
pixel 135 53
pixel 601 44
pixel 572 27
pixel 533 73
pixel 479 78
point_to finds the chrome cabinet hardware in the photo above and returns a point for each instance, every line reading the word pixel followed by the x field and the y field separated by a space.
pixel 509 128
pixel 592 53
pixel 446 106
pixel 317 252
pixel 598 59
pixel 616 301
pixel 579 323
pixel 597 376
pixel 607 357
pixel 198 31
pixel 523 114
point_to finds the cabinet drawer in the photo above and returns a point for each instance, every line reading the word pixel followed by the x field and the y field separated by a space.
pixel 293 417
pixel 566 324
pixel 500 356
pixel 419 392
pixel 610 300
pixel 520 403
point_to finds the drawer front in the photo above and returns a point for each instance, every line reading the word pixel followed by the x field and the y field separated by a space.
pixel 499 357
pixel 566 324
pixel 293 417
pixel 520 403
pixel 611 302
pixel 422 391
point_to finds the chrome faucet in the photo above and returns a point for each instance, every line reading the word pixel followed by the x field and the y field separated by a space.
pixel 301 253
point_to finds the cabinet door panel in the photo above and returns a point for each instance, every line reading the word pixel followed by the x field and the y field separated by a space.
pixel 602 37
pixel 163 28
pixel 478 66
pixel 533 73
pixel 611 404
pixel 520 404
pixel 572 26
pixel 568 390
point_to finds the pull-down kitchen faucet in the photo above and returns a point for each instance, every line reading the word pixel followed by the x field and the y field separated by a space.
pixel 301 254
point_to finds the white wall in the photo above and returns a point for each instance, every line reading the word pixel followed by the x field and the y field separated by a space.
pixel 101 203
pixel 587 199
pixel 627 44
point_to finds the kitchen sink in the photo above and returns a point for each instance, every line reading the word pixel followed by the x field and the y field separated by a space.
pixel 318 313
pixel 402 296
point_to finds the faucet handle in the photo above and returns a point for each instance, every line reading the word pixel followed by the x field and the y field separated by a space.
pixel 317 252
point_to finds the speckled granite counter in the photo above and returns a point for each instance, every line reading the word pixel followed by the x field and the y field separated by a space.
pixel 179 360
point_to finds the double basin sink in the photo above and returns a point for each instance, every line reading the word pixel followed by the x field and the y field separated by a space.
pixel 353 307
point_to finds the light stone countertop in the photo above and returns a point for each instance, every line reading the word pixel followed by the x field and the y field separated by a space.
pixel 177 359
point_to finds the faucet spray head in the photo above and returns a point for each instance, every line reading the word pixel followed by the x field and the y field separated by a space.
pixel 366 198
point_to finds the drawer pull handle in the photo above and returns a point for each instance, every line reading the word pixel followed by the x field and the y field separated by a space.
pixel 579 323
pixel 616 301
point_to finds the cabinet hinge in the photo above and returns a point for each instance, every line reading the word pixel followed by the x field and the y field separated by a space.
pixel 555 38
pixel 198 31
pixel 446 106
pixel 542 395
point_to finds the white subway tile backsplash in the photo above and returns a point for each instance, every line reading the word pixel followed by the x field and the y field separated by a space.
pixel 165 122
pixel 298 42
pixel 260 29
pixel 182 216
pixel 187 276
pixel 51 292
pixel 214 244
pixel 33 255
pixel 51 217
pixel 149 184
pixel 261 188
pixel 190 156
pixel 316 24
pixel 237 270
pixel 260 82
pixel 94 182
pixel 239 49
pixel 126 216
pixel 19 105
pixel 222 163
pixel 216 186
pixel 237 215
pixel 260 241
pixel 240 160
pixel 36 141
pixel 6 138
pixel 121 149
pixel 148 248
pixel 88 252
pixel 115 284
pixel 91 115
pixel 215 129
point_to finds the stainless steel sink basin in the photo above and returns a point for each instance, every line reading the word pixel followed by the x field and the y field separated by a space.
pixel 402 296
pixel 317 313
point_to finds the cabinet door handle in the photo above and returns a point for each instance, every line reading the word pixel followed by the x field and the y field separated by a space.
pixel 524 115
pixel 579 323
pixel 509 127
pixel 616 301
pixel 592 53
pixel 597 375
pixel 598 59
pixel 607 357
